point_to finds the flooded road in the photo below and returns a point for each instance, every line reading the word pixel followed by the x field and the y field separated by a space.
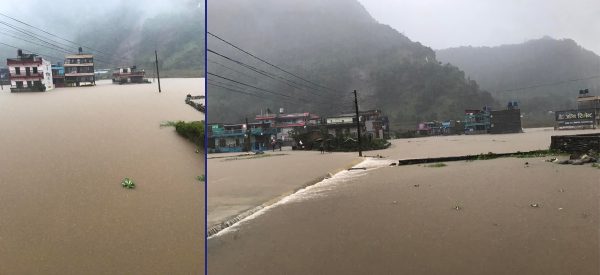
pixel 63 154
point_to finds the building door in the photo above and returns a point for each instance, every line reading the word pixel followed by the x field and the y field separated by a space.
pixel 29 84
pixel 19 84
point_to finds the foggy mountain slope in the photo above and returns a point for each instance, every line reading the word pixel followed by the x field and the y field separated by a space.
pixel 177 35
pixel 339 45
pixel 534 62
pixel 126 33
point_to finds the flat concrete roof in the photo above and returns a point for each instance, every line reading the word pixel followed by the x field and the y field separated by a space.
pixel 80 56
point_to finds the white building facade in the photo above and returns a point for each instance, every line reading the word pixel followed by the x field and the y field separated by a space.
pixel 29 72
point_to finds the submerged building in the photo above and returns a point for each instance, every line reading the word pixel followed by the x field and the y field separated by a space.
pixel 477 121
pixel 128 75
pixel 79 69
pixel 506 121
pixel 374 125
pixel 286 123
pixel 225 138
pixel 435 128
pixel 29 72
pixel 58 75
pixel 4 76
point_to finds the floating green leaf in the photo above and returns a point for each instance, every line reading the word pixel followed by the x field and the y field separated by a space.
pixel 128 183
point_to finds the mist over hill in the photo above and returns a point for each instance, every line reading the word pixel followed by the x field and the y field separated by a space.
pixel 336 44
pixel 124 33
pixel 503 69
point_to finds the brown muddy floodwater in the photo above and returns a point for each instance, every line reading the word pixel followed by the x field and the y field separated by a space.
pixel 63 154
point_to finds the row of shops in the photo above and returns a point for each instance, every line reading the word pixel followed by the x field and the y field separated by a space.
pixel 484 121
pixel 270 130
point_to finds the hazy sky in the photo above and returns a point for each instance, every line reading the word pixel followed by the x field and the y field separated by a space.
pixel 450 23
pixel 64 16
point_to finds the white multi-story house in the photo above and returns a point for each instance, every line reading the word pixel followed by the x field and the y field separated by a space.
pixel 29 72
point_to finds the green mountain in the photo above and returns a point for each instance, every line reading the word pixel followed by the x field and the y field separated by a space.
pixel 337 44
pixel 546 63
pixel 127 38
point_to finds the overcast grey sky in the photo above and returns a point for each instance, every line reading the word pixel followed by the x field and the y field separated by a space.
pixel 450 23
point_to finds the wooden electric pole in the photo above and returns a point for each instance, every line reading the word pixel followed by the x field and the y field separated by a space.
pixel 157 72
pixel 358 124
pixel 247 137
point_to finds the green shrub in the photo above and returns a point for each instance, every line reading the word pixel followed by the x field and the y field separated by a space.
pixel 194 131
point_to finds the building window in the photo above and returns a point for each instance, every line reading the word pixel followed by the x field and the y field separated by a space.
pixel 18 71
pixel 35 71
pixel 29 84
pixel 19 84
pixel 27 71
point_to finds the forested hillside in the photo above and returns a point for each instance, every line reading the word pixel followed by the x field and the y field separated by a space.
pixel 177 35
pixel 335 44
pixel 542 74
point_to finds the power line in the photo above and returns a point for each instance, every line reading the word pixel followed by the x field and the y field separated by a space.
pixel 40 54
pixel 54 47
pixel 229 68
pixel 8 45
pixel 54 35
pixel 549 84
pixel 99 53
pixel 20 38
pixel 233 89
pixel 270 64
pixel 251 86
pixel 37 37
pixel 32 35
pixel 275 77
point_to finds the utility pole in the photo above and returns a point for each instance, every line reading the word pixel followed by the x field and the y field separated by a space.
pixel 247 137
pixel 358 124
pixel 157 73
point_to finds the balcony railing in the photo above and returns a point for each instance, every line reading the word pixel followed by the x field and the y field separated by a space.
pixel 129 74
pixel 19 61
pixel 25 75
pixel 239 132
pixel 15 89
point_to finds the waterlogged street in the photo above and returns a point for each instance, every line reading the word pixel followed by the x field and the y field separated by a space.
pixel 63 156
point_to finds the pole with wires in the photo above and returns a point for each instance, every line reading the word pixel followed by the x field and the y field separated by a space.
pixel 358 124
pixel 157 72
